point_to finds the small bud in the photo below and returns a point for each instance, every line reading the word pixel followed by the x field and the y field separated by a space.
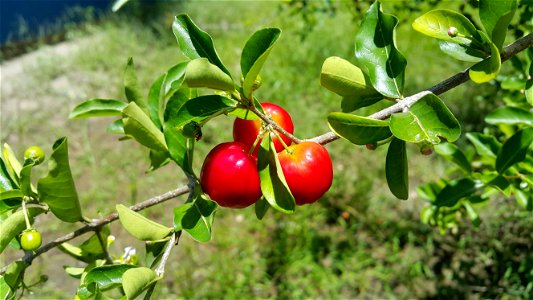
pixel 192 130
pixel 426 149
pixel 452 31
pixel 372 146
pixel 345 215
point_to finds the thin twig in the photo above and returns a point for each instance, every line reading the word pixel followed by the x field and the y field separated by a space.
pixel 275 125
pixel 442 87
pixel 96 224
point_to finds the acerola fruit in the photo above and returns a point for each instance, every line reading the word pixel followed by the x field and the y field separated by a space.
pixel 30 240
pixel 246 131
pixel 34 153
pixel 229 176
pixel 308 171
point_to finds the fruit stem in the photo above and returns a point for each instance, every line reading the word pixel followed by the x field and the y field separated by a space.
pixel 278 128
pixel 257 139
pixel 281 140
pixel 25 212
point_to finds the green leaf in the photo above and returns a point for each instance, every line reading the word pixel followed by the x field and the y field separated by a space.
pixel 6 182
pixel 141 227
pixel 93 246
pixel 180 148
pixel 138 125
pixel 97 108
pixel 455 191
pixel 6 292
pixel 489 68
pixel 244 114
pixel 15 274
pixel 273 184
pixel 12 162
pixel 524 199
pixel 132 89
pixel 200 109
pixel 11 194
pixel 462 52
pixel 358 130
pixel 436 23
pixel 427 120
pixel 485 145
pixel 201 73
pixel 509 115
pixel 496 16
pixel 74 272
pixel 57 189
pixel 154 251
pixel 529 85
pixel 15 224
pixel 377 54
pixel 196 218
pixel 472 214
pixel 106 277
pixel 158 159
pixel 452 153
pixel 514 149
pixel 136 280
pixel 254 54
pixel 174 79
pixel 80 254
pixel 156 103
pixel 261 207
pixel 25 178
pixel 396 169
pixel 195 43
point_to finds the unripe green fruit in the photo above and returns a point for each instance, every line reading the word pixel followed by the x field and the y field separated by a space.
pixel 34 153
pixel 30 239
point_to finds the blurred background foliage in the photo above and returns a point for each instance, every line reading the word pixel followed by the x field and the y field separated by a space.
pixel 357 242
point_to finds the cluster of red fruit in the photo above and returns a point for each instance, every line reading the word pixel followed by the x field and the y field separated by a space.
pixel 230 176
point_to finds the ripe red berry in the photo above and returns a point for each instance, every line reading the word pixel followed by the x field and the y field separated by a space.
pixel 246 131
pixel 230 177
pixel 308 171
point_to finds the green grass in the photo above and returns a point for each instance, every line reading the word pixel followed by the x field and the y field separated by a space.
pixel 381 251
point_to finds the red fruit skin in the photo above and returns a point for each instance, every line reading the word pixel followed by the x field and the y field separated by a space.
pixel 230 177
pixel 246 131
pixel 308 171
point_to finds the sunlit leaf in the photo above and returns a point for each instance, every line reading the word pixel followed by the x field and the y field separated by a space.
pixel 97 108
pixel 358 130
pixel 436 23
pixel 261 207
pixel 485 145
pixel 489 68
pixel 13 164
pixel 141 227
pixel 509 115
pixel 196 218
pixel 138 125
pixel 15 224
pixel 201 73
pixel 496 16
pixel 462 52
pixel 132 88
pixel 396 169
pixel 136 280
pixel 201 108
pixel 106 277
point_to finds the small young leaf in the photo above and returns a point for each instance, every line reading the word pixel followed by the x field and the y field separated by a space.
pixel 139 226
pixel 138 125
pixel 97 108
pixel 194 42
pixel 15 224
pixel 106 277
pixel 358 130
pixel 196 218
pixel 136 280
pixel 436 23
pixel 496 16
pixel 454 191
pixel 273 183
pixel 377 54
pixel 514 149
pixel 11 161
pixel 58 189
pixel 116 127
pixel 452 153
pixel 25 179
pixel 427 120
pixel 485 145
pixel 132 89
pixel 489 68
pixel 254 54
pixel 200 73
pixel 201 108
pixel 509 115
pixel 6 181
pixel 396 169
pixel 261 207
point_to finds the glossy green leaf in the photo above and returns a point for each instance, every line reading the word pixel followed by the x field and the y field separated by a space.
pixel 485 145
pixel 514 150
pixel 509 115
pixel 141 227
pixel 261 207
pixel 174 79
pixel 14 274
pixel 132 88
pixel 11 194
pixel 343 78
pixel 180 148
pixel 58 189
pixel 97 108
pixel 194 42
pixel 200 73
pixel 396 169
pixel 489 68
pixel 529 85
pixel 154 251
pixel 25 179
pixel 462 52
pixel 200 109
pixel 254 55
pixel 6 292
pixel 156 103
pixel 106 277
pixel 358 130
pixel 436 23
pixel 427 120
pixel 525 199
pixel 74 272
pixel 80 254
pixel 495 16
pixel 273 183
pixel 138 125
pixel 136 280
pixel 455 191
pixel 244 114
pixel 196 218
pixel 6 182
pixel 158 159
pixel 15 224
pixel 452 153
pixel 93 245
pixel 10 200
pixel 12 163
pixel 377 54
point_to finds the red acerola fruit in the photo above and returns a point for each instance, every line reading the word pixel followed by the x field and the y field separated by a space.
pixel 230 177
pixel 246 131
pixel 308 170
